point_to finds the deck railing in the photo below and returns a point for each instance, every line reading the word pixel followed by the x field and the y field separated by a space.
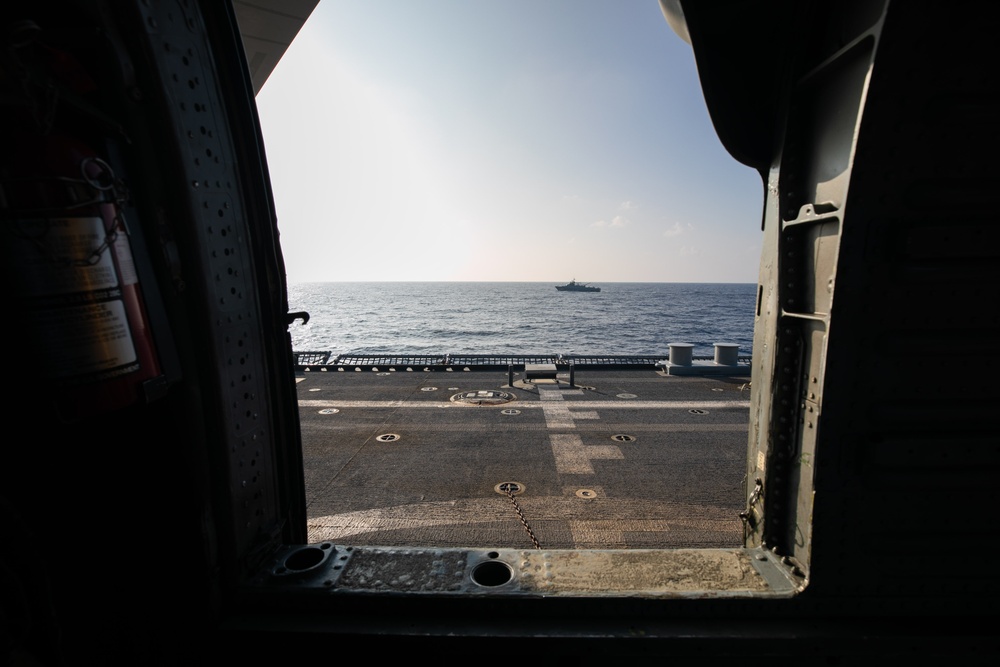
pixel 310 360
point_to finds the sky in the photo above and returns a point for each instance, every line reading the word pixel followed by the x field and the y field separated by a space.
pixel 524 140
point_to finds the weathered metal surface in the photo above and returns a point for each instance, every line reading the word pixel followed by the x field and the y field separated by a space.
pixel 653 573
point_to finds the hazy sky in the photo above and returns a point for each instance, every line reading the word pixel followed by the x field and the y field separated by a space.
pixel 524 140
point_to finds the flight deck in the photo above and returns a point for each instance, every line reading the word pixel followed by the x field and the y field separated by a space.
pixel 453 456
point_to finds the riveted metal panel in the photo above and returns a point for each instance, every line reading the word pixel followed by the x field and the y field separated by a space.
pixel 219 238
pixel 807 201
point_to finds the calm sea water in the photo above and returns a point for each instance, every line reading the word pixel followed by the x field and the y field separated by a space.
pixel 520 318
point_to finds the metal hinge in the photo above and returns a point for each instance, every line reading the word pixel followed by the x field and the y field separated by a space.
pixel 747 515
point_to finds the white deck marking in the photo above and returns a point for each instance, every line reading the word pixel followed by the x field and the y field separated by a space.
pixel 558 416
pixel 573 457
pixel 608 533
pixel 406 517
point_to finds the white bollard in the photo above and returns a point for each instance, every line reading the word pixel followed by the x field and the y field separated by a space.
pixel 680 353
pixel 727 354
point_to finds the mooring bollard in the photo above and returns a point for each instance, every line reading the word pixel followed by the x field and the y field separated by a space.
pixel 572 371
pixel 681 353
pixel 510 375
pixel 727 354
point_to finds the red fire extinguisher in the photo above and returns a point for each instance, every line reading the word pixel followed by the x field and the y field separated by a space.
pixel 70 264
pixel 64 242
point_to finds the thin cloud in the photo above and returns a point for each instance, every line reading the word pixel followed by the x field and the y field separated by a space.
pixel 628 205
pixel 688 251
pixel 617 221
pixel 677 229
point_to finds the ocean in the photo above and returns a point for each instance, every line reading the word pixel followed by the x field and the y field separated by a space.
pixel 520 318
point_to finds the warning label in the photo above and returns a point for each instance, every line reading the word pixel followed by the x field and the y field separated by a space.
pixel 82 340
pixel 52 256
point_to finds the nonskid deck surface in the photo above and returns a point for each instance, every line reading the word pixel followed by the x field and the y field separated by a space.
pixel 625 459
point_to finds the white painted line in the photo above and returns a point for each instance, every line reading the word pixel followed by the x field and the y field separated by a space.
pixel 374 404
pixel 650 405
pixel 557 416
pixel 408 517
pixel 573 457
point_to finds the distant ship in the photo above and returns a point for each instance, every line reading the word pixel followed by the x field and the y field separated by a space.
pixel 573 286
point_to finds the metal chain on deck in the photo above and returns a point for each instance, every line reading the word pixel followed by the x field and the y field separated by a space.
pixel 524 522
